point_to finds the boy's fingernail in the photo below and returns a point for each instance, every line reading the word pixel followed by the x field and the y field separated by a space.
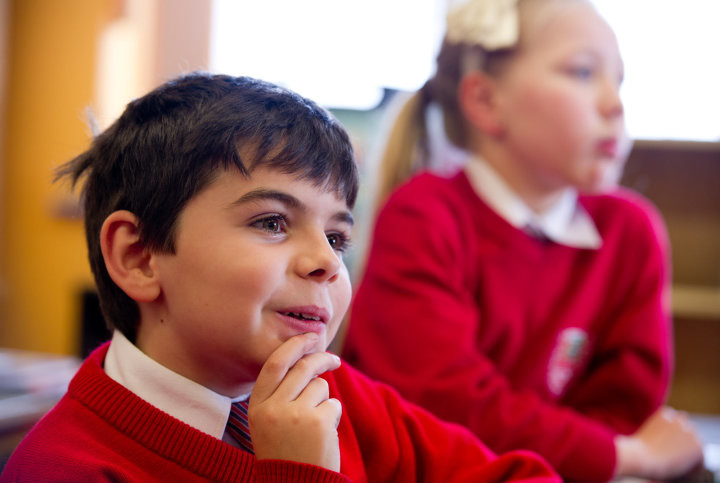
pixel 312 336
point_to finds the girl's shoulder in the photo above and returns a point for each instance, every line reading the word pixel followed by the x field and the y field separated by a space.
pixel 618 202
pixel 440 206
pixel 626 210
pixel 428 188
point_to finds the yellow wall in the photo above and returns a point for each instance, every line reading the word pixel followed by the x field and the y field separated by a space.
pixel 50 70
pixel 52 76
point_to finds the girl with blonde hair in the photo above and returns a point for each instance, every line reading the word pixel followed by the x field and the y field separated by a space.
pixel 525 295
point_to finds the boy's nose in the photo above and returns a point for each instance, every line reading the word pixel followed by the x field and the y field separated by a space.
pixel 318 261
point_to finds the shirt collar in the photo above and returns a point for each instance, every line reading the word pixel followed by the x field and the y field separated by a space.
pixel 565 222
pixel 186 400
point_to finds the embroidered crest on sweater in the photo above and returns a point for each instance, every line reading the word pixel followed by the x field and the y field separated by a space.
pixel 569 353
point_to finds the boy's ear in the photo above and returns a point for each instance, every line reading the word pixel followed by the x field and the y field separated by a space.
pixel 478 103
pixel 126 259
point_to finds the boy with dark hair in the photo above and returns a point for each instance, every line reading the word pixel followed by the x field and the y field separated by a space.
pixel 217 210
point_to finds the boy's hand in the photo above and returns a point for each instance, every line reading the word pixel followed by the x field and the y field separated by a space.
pixel 290 414
pixel 666 446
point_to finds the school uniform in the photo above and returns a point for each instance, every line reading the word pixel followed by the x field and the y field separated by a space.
pixel 549 332
pixel 103 431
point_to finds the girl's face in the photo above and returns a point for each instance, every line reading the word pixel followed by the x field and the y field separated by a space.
pixel 558 101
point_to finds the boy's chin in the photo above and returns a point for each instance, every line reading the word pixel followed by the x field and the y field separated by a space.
pixel 322 344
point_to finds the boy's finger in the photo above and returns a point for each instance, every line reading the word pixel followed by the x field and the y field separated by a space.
pixel 304 372
pixel 315 392
pixel 279 363
pixel 332 409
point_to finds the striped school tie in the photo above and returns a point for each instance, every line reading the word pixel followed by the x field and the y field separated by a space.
pixel 237 425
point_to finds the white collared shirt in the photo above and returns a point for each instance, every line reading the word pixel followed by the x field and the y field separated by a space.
pixel 566 222
pixel 186 400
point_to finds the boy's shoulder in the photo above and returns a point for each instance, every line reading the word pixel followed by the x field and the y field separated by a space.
pixel 59 442
pixel 101 428
pixel 376 407
pixel 396 440
pixel 53 448
pixel 348 382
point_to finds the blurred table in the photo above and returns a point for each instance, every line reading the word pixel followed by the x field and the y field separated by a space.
pixel 30 384
pixel 708 425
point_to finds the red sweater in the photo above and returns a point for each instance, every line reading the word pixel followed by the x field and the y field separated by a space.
pixel 100 431
pixel 528 343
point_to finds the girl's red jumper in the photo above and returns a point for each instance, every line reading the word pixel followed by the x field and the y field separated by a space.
pixel 528 343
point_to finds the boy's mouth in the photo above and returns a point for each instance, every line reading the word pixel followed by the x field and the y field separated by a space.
pixel 301 316
pixel 309 313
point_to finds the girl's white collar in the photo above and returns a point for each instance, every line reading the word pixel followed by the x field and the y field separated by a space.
pixel 565 222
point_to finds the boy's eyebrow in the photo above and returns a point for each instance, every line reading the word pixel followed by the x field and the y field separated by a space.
pixel 344 216
pixel 288 200
pixel 266 194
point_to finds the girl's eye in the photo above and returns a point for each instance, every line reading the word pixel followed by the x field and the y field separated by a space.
pixel 271 224
pixel 338 242
pixel 581 72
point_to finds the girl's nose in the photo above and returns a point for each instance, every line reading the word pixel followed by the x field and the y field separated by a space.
pixel 611 105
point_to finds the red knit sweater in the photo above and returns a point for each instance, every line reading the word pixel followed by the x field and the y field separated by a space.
pixel 100 431
pixel 528 343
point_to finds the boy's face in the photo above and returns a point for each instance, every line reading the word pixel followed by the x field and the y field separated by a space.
pixel 257 260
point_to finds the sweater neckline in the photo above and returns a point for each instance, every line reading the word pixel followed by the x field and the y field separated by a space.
pixel 510 237
pixel 169 437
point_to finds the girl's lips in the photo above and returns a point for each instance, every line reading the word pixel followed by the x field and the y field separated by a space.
pixel 608 147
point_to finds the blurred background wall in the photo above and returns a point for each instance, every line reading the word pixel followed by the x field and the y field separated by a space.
pixel 49 77
pixel 62 58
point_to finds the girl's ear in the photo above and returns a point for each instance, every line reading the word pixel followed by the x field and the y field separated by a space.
pixel 126 259
pixel 478 103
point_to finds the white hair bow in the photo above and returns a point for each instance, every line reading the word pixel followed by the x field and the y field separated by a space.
pixel 491 24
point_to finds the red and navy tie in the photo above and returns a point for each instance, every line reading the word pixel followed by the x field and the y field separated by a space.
pixel 237 425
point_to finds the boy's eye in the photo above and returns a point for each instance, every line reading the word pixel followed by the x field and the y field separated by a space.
pixel 271 224
pixel 338 241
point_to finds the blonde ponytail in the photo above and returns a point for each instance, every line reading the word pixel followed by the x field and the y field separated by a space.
pixel 405 148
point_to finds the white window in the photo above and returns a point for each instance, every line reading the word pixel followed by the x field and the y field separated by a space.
pixel 342 53
pixel 671 50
